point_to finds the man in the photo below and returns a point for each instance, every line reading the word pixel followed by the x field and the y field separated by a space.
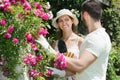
pixel 94 51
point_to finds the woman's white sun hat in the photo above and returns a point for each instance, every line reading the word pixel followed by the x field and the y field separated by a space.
pixel 64 12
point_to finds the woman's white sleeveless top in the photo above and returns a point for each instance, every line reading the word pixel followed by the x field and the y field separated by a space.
pixel 73 49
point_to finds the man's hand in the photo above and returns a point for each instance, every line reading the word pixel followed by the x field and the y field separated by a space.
pixel 44 43
pixel 56 72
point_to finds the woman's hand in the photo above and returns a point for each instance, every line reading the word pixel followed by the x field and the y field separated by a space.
pixel 44 43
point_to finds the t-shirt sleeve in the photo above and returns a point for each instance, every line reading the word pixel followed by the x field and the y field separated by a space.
pixel 95 45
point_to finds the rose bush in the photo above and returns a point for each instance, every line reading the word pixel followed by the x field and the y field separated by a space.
pixel 20 21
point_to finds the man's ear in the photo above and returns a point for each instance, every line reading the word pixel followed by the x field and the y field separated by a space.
pixel 85 14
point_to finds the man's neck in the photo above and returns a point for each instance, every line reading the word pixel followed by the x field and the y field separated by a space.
pixel 94 26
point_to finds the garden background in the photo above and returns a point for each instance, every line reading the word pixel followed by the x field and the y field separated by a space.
pixel 28 21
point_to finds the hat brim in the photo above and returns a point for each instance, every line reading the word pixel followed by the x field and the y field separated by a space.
pixel 55 24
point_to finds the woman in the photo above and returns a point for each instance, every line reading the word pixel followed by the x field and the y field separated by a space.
pixel 66 23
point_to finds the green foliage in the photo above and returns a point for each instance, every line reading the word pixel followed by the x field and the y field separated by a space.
pixel 113 65
pixel 26 23
pixel 111 21
pixel 69 4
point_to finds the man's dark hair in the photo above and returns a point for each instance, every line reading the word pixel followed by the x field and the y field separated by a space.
pixel 93 8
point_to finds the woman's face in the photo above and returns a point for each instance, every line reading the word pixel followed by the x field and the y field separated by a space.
pixel 65 23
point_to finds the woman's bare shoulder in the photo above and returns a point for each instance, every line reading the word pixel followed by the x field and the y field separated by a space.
pixel 80 40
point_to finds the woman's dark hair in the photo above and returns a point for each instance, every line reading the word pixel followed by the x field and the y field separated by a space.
pixel 93 8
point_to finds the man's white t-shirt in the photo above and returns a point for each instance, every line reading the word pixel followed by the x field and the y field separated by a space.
pixel 97 43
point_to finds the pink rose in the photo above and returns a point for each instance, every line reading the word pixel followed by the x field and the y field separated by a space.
pixel 7 35
pixel 33 61
pixel 2 7
pixel 45 16
pixel 15 40
pixel 29 38
pixel 27 6
pixel 60 61
pixel 26 61
pixel 37 5
pixel 48 72
pixel 30 59
pixel 10 29
pixel 33 46
pixel 39 57
pixel 33 73
pixel 37 12
pixel 7 4
pixel 3 22
pixel 43 32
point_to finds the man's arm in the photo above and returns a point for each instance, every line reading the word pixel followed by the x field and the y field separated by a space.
pixel 78 65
